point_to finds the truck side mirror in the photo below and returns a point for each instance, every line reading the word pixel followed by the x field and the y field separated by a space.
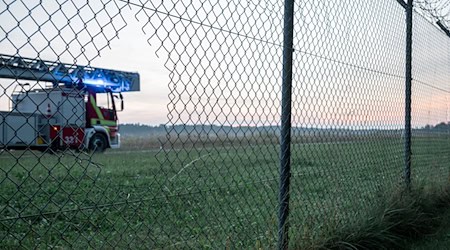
pixel 121 100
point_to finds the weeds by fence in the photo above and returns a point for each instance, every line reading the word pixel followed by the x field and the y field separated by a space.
pixel 344 131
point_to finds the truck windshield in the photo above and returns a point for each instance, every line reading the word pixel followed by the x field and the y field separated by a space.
pixel 106 101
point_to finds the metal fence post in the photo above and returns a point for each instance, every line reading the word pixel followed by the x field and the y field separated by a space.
pixel 408 76
pixel 285 148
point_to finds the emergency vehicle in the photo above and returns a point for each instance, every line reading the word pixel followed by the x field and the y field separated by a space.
pixel 64 113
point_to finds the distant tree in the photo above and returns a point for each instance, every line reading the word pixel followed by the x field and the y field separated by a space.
pixel 441 126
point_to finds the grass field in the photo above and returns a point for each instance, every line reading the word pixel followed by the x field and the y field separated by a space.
pixel 208 197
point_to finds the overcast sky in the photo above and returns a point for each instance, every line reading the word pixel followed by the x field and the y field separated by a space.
pixel 348 64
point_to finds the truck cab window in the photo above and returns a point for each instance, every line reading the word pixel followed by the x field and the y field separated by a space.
pixel 104 100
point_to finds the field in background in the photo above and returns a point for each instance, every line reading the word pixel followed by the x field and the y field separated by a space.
pixel 200 136
pixel 211 196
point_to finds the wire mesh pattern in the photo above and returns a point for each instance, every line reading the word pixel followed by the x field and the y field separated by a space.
pixel 224 95
pixel 347 147
pixel 430 107
pixel 214 182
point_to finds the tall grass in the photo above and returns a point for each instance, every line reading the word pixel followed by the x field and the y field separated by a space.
pixel 402 218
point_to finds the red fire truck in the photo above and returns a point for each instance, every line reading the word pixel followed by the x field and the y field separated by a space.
pixel 65 113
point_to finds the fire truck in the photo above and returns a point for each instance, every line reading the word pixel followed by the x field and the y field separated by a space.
pixel 60 109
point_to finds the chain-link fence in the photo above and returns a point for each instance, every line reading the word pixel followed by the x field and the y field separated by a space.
pixel 210 177
pixel 348 113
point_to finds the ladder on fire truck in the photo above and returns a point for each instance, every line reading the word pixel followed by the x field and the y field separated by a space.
pixel 16 67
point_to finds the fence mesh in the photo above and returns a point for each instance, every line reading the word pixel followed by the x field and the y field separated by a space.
pixel 348 108
pixel 209 177
pixel 430 103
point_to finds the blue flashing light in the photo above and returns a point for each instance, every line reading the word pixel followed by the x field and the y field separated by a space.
pixel 102 80
pixel 98 79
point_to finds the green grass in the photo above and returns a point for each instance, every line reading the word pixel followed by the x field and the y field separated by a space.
pixel 439 239
pixel 404 218
pixel 210 197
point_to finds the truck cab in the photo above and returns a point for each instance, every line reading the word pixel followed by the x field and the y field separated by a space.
pixel 102 120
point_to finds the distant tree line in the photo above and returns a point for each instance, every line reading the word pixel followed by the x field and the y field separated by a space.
pixel 442 126
pixel 136 129
pixel 142 130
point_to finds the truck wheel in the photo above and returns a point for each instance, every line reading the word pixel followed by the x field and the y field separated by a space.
pixel 98 143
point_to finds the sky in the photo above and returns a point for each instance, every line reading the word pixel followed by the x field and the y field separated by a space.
pixel 219 62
